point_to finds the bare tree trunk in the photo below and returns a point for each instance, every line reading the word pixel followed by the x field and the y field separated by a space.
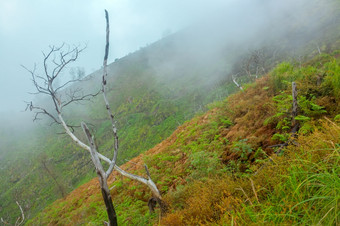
pixel 295 124
pixel 107 105
pixel 46 85
pixel 148 182
pixel 102 178
pixel 109 204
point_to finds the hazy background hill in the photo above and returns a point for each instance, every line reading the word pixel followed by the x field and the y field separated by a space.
pixel 156 89
pixel 222 168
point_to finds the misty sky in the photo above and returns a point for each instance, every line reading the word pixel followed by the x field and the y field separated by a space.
pixel 28 27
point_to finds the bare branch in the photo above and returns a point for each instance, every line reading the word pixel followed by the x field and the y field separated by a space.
pixel 60 60
pixel 22 215
pixel 38 87
pixel 39 111
pixel 245 194
pixel 45 85
pixel 111 116
pixel 101 176
pixel 74 98
pixel 5 222
pixel 235 82
pixel 93 149
pixel 72 56
pixel 113 165
pixel 46 58
pixel 19 220
pixel 69 82
pixel 147 171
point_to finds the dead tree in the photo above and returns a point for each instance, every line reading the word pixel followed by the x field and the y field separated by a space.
pixel 19 221
pixel 318 47
pixel 295 123
pixel 47 85
pixel 44 164
pixel 254 63
pixel 233 77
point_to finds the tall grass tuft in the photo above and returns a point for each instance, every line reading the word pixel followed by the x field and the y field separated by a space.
pixel 303 187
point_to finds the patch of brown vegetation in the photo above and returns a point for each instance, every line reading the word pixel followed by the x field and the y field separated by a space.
pixel 248 110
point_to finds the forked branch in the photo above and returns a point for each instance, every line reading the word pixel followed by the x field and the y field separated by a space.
pixel 19 220
pixel 47 85
pixel 112 164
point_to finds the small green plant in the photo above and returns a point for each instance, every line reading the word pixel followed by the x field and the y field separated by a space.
pixel 260 155
pixel 337 117
pixel 302 118
pixel 226 122
pixel 281 76
pixel 242 149
pixel 204 163
pixel 333 77
pixel 281 137
pixel 308 107
pixel 282 118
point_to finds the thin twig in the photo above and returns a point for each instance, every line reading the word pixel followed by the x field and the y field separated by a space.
pixel 253 187
pixel 22 215
pixel 336 126
pixel 248 199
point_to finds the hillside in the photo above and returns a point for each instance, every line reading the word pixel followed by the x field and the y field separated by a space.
pixel 225 167
pixel 153 91
pixel 146 100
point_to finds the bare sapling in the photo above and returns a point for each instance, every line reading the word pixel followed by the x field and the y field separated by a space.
pixel 20 219
pixel 47 85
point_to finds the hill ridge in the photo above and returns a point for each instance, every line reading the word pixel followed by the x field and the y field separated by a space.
pixel 212 163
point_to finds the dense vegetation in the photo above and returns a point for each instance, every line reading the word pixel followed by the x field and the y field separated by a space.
pixel 149 104
pixel 221 167
pixel 153 91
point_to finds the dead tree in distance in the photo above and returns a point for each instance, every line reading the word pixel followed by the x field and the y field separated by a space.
pixel 44 164
pixel 233 77
pixel 19 221
pixel 46 85
pixel 254 62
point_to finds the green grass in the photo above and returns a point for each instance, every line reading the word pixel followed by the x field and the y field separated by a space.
pixel 214 171
pixel 150 105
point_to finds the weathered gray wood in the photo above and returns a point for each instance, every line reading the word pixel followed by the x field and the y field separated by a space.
pixel 143 180
pixel 107 105
pixel 235 82
pixel 112 164
pixel 46 85
pixel 102 177
pixel 19 221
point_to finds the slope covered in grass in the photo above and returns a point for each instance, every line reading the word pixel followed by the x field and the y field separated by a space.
pixel 221 167
pixel 148 102
pixel 154 90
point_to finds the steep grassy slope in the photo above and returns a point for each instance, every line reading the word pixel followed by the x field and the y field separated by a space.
pixel 149 105
pixel 156 89
pixel 221 167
